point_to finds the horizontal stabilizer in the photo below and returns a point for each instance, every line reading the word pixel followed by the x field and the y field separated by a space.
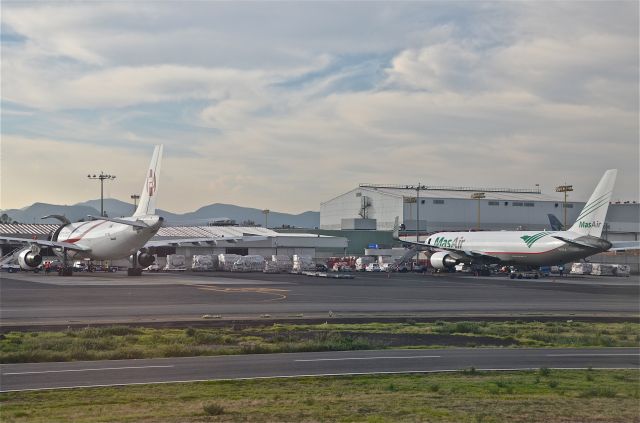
pixel 59 217
pixel 136 224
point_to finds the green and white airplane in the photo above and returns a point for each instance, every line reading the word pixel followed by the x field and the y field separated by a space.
pixel 526 248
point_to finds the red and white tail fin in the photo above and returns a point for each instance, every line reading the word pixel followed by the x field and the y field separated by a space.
pixel 591 218
pixel 147 205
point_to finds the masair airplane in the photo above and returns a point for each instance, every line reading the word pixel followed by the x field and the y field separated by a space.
pixel 104 238
pixel 526 249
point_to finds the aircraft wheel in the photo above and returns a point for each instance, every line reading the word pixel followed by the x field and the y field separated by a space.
pixel 134 271
pixel 519 275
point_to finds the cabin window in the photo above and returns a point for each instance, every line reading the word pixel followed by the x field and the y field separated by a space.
pixel 429 241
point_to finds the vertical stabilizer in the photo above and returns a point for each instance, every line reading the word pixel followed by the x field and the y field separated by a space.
pixel 591 218
pixel 147 203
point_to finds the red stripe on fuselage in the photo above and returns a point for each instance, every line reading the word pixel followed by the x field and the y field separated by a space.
pixel 82 235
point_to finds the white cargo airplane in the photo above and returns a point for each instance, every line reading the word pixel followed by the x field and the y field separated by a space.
pixel 104 238
pixel 526 248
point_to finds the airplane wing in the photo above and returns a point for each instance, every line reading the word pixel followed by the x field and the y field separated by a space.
pixel 42 243
pixel 179 242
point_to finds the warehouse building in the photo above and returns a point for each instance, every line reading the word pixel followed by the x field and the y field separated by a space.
pixel 431 209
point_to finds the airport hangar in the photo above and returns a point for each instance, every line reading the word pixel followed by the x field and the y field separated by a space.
pixel 375 207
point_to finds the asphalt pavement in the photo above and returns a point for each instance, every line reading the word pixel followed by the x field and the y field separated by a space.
pixel 38 376
pixel 33 299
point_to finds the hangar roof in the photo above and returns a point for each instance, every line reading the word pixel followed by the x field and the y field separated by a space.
pixel 465 194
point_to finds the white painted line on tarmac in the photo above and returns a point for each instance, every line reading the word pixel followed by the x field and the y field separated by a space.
pixel 85 370
pixel 515 369
pixel 367 358
pixel 592 355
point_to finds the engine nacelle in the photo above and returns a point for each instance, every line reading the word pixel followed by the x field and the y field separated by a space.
pixel 144 259
pixel 29 260
pixel 442 260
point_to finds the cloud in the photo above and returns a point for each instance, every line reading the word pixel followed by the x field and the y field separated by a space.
pixel 259 104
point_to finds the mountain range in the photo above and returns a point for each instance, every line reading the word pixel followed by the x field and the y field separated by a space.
pixel 117 208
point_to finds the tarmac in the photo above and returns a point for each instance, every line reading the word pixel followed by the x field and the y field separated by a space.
pixel 29 299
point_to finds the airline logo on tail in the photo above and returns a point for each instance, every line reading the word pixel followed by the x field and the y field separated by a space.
pixel 151 183
pixel 531 239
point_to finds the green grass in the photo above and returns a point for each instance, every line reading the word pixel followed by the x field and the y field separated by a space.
pixel 123 342
pixel 438 397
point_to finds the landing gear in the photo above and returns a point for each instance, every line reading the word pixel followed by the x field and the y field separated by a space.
pixel 65 269
pixel 135 270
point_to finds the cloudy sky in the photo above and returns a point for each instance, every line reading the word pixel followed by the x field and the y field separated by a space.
pixel 282 105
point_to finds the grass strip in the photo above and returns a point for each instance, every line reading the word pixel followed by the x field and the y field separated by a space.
pixel 127 342
pixel 471 396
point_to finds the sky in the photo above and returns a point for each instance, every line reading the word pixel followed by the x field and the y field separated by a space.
pixel 283 105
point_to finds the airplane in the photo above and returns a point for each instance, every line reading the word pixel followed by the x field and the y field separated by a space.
pixel 525 249
pixel 105 238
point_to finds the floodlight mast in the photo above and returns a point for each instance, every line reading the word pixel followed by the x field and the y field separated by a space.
pixel 565 189
pixel 102 177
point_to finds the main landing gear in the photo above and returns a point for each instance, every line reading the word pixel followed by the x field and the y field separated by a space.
pixel 135 270
pixel 65 270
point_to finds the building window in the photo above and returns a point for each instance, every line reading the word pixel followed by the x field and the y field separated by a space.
pixel 438 201
pixel 529 204
pixel 358 194
pixel 568 206
pixel 421 201
pixel 494 203
pixel 517 204
pixel 506 203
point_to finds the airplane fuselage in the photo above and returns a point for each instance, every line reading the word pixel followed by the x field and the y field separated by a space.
pixel 107 239
pixel 529 248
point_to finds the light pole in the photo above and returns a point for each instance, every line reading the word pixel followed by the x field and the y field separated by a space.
pixel 266 217
pixel 135 198
pixel 478 196
pixel 565 189
pixel 102 178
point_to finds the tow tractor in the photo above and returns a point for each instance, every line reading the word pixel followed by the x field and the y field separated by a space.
pixel 524 274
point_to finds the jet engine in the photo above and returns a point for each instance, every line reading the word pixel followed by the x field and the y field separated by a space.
pixel 29 259
pixel 144 258
pixel 442 260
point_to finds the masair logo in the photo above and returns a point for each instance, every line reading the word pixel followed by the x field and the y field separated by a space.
pixel 531 239
pixel 151 183
pixel 589 225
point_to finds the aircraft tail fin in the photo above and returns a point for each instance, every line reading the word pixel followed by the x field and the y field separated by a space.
pixel 556 225
pixel 147 203
pixel 591 218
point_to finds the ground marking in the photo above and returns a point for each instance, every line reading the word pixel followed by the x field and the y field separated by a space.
pixel 85 370
pixel 368 358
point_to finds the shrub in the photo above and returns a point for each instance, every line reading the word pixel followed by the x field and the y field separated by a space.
pixel 544 371
pixel 213 409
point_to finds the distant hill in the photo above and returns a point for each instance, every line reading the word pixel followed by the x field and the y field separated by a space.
pixel 117 208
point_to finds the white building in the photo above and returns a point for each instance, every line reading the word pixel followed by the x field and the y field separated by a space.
pixel 451 208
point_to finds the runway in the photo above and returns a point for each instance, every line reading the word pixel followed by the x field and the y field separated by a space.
pixel 36 299
pixel 38 376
